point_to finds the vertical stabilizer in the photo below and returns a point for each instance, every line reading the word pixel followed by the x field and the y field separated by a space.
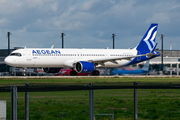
pixel 146 66
pixel 148 41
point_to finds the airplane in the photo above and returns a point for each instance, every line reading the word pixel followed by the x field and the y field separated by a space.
pixel 85 60
pixel 144 70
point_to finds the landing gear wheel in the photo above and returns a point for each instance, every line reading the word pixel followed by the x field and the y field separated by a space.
pixel 95 73
pixel 73 73
pixel 24 71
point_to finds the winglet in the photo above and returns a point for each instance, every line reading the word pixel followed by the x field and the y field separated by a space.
pixel 153 48
pixel 150 54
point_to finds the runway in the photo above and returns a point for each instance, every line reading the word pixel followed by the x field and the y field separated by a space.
pixel 130 76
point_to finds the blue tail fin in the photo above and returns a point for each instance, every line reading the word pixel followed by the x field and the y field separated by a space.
pixel 148 41
pixel 146 66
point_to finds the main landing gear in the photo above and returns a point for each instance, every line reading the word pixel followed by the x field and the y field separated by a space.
pixel 95 73
pixel 73 73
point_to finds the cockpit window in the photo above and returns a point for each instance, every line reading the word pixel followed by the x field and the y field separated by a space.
pixel 15 54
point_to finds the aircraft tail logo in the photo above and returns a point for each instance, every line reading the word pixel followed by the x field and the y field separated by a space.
pixel 148 41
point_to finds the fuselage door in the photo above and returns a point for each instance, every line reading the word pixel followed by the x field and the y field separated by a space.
pixel 28 55
pixel 79 55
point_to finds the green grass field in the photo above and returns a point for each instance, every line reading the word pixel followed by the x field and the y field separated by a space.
pixel 160 104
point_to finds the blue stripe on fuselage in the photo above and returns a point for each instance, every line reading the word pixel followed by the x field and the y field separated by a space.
pixel 138 60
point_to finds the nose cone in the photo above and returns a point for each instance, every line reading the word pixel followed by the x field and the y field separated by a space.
pixel 8 61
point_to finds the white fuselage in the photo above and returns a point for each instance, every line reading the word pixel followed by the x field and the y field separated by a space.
pixel 65 58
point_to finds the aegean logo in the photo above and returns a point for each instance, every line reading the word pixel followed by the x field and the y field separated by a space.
pixel 46 52
pixel 150 38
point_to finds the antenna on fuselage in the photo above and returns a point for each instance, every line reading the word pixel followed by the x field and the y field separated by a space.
pixel 52 46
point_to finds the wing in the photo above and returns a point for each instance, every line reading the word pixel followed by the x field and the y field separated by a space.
pixel 113 60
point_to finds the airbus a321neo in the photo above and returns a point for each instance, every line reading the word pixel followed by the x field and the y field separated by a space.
pixel 85 60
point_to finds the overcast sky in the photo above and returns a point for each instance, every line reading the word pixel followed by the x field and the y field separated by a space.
pixel 87 23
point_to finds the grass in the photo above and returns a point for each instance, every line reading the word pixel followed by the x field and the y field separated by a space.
pixel 160 104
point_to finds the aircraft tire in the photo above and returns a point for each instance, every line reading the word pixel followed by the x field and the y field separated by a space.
pixel 95 73
pixel 73 73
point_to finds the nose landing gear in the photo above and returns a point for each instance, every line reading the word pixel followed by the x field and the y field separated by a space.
pixel 24 71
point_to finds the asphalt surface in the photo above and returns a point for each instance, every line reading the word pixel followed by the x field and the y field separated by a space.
pixel 130 76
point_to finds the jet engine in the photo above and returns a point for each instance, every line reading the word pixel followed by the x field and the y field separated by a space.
pixel 84 67
pixel 51 70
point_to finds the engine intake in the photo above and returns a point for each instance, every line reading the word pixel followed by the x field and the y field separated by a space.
pixel 84 67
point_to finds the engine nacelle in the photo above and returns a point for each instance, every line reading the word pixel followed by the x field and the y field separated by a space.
pixel 51 70
pixel 84 67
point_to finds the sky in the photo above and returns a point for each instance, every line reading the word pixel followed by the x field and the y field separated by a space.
pixel 87 23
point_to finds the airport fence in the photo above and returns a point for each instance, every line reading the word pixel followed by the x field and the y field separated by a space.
pixel 71 87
